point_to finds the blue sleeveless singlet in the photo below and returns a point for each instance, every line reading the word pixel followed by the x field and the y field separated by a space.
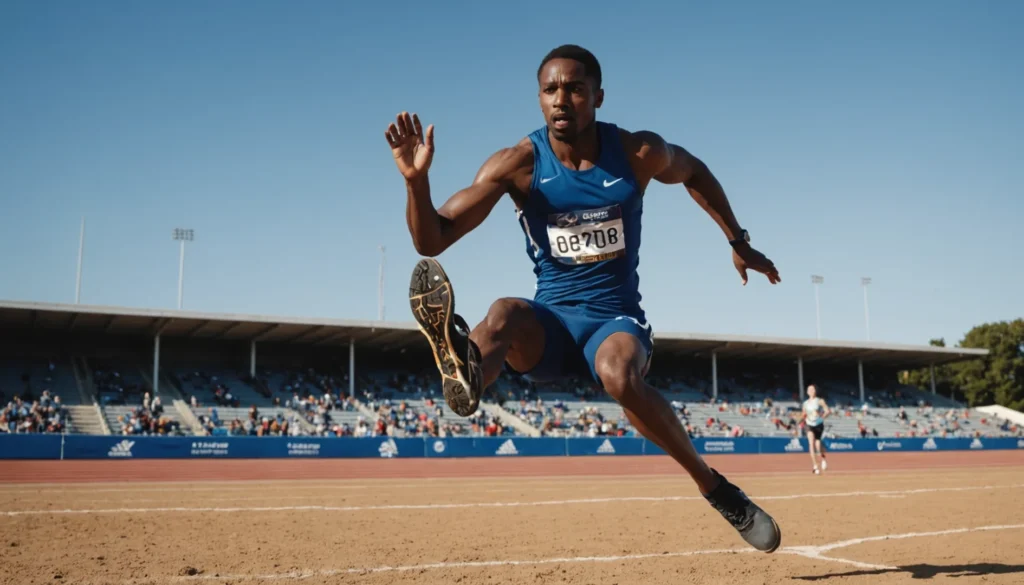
pixel 582 228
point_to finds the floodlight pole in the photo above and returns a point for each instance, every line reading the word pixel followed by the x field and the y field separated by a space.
pixel 351 367
pixel 182 235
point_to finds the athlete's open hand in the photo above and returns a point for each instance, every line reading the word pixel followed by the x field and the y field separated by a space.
pixel 746 258
pixel 413 150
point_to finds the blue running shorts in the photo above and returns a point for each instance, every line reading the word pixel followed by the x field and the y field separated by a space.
pixel 572 336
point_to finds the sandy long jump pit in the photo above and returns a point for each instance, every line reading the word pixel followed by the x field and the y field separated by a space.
pixel 870 519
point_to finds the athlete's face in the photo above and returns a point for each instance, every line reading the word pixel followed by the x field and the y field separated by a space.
pixel 568 98
pixel 812 391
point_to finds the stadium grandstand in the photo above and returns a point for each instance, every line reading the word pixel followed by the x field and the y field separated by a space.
pixel 127 371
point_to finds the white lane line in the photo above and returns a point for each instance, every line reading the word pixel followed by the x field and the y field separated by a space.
pixel 816 552
pixel 855 541
pixel 322 508
pixel 320 497
pixel 811 552
pixel 307 573
pixel 301 485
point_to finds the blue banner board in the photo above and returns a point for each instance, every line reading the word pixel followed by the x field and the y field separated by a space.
pixel 605 446
pixel 30 446
pixel 37 446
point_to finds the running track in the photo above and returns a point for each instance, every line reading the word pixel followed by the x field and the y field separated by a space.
pixel 291 469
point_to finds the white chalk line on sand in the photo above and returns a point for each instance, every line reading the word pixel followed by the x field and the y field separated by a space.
pixel 305 574
pixel 811 552
pixel 391 507
pixel 320 497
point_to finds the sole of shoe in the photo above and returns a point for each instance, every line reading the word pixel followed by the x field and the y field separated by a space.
pixel 432 300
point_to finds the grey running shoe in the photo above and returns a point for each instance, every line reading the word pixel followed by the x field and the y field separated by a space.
pixel 457 357
pixel 754 524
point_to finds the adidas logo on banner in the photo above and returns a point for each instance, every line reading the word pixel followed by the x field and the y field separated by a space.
pixel 388 449
pixel 929 445
pixel 606 448
pixel 122 449
pixel 794 445
pixel 977 444
pixel 507 448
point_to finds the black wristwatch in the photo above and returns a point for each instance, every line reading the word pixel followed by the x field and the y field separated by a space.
pixel 743 239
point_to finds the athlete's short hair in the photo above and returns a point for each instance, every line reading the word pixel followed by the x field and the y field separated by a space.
pixel 591 68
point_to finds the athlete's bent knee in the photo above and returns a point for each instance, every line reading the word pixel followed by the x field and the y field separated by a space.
pixel 619 377
pixel 505 316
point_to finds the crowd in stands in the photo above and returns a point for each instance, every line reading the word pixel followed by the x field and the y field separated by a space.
pixel 319 413
pixel 953 422
pixel 557 420
pixel 201 381
pixel 148 418
pixel 410 404
pixel 25 414
pixel 743 409
pixel 254 425
pixel 426 419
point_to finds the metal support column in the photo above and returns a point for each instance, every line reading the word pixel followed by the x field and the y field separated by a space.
pixel 860 378
pixel 252 358
pixel 800 377
pixel 156 365
pixel 932 368
pixel 714 375
pixel 352 367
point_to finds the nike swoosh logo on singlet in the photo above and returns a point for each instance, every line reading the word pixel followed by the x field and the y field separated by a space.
pixel 609 184
pixel 548 179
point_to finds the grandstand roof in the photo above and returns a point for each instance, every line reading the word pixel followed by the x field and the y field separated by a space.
pixel 389 336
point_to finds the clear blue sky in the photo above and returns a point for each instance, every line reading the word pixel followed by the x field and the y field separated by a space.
pixel 872 138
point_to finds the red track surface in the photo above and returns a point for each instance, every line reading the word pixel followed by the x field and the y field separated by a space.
pixel 269 469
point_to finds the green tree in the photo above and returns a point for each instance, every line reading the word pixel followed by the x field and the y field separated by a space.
pixel 997 378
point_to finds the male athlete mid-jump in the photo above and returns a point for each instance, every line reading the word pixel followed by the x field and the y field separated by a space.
pixel 578 187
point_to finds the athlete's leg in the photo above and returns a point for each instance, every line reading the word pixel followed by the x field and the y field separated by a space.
pixel 511 332
pixel 619 366
pixel 619 363
pixel 821 453
pixel 811 449
pixel 527 335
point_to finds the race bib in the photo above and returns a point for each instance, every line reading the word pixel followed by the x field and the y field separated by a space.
pixel 582 237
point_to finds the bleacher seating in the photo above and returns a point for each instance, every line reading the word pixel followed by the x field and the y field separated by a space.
pixel 118 382
pixel 410 403
pixel 18 376
pixel 221 387
pixel 119 417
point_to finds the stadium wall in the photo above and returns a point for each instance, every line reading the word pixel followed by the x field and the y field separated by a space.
pixel 142 447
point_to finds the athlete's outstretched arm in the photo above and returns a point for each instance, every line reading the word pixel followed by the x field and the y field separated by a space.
pixel 704 188
pixel 435 230
pixel 672 164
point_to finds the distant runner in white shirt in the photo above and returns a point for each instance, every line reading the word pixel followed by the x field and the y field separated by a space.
pixel 814 413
